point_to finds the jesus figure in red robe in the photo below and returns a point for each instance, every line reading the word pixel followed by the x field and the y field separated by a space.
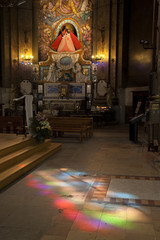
pixel 66 42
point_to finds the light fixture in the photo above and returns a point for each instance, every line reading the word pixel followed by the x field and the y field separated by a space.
pixel 98 59
pixel 26 58
pixel 146 44
pixel 11 3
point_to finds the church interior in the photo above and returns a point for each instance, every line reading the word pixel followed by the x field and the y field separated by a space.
pixel 79 119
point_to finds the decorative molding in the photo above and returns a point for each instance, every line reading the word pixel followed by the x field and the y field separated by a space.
pixel 58 57
pixel 80 52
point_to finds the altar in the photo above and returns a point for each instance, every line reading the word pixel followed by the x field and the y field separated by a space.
pixel 65 66
pixel 64 81
pixel 57 106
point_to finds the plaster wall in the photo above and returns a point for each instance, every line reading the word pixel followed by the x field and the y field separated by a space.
pixel 140 28
pixel 16 38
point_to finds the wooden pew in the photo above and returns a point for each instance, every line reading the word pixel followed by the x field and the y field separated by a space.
pixel 10 124
pixel 87 121
pixel 72 124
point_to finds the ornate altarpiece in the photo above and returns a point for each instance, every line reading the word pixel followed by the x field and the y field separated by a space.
pixel 64 78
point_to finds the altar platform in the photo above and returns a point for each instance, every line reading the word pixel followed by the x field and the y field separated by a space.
pixel 8 139
pixel 20 154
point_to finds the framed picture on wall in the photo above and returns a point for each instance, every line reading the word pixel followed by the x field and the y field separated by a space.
pixel 43 73
pixel 66 76
pixel 77 90
pixel 52 90
pixel 35 68
pixel 86 70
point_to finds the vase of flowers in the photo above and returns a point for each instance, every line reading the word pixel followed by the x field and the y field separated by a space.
pixel 40 127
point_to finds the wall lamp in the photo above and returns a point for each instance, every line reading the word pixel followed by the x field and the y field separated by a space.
pixel 146 44
pixel 98 58
pixel 26 59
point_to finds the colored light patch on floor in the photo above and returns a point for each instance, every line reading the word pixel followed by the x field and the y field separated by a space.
pixel 134 189
pixel 69 196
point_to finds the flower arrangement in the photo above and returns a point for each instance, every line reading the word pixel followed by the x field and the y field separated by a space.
pixel 40 127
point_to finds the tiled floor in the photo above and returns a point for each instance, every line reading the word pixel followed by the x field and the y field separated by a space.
pixel 127 190
pixel 106 188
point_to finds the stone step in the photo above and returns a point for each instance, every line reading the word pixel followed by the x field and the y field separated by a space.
pixel 14 147
pixel 20 154
pixel 19 169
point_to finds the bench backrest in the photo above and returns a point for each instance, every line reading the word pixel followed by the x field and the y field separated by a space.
pixel 70 121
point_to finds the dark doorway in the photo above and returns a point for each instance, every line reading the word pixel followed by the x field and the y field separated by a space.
pixel 140 99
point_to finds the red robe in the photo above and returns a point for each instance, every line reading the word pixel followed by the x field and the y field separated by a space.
pixel 75 41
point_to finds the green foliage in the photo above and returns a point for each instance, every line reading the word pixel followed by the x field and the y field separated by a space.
pixel 39 126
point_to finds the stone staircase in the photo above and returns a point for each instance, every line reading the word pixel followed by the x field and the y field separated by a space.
pixel 19 158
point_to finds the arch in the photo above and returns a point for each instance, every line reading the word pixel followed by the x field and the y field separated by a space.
pixel 69 21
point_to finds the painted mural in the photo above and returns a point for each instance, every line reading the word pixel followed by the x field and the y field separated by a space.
pixel 65 26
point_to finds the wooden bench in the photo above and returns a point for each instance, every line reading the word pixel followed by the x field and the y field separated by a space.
pixel 71 124
pixel 87 121
pixel 10 124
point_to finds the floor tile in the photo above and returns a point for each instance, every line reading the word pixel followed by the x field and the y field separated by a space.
pixel 138 215
pixel 157 234
pixel 140 228
pixel 59 230
pixel 110 231
pixel 79 235
pixel 155 212
pixel 156 225
pixel 87 221
pixel 50 237
pixel 139 236
pixel 134 189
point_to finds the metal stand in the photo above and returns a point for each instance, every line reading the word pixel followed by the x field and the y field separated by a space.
pixel 154 124
pixel 133 127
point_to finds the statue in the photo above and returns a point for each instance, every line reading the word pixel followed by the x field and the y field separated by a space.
pixel 66 41
pixel 52 73
pixel 80 77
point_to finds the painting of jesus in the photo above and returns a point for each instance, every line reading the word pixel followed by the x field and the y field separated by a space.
pixel 66 42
